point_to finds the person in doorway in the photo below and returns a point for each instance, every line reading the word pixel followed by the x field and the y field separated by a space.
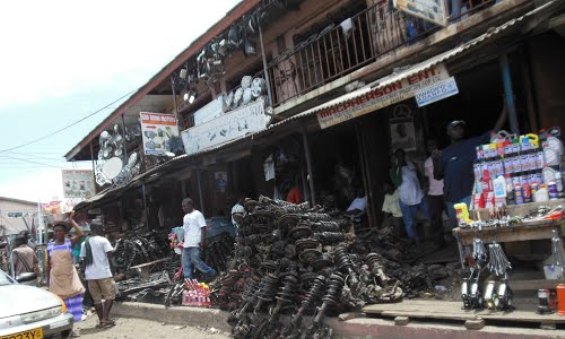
pixel 405 178
pixel 295 195
pixel 435 197
pixel 62 275
pixel 237 213
pixel 96 253
pixel 358 206
pixel 23 256
pixel 454 164
pixel 194 226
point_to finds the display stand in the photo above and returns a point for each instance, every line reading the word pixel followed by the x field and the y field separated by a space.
pixel 530 230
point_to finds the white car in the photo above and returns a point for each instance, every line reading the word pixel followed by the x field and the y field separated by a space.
pixel 28 312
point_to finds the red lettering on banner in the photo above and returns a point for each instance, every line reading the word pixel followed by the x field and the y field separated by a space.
pixel 413 79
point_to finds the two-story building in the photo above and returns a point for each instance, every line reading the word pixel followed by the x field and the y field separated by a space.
pixel 318 95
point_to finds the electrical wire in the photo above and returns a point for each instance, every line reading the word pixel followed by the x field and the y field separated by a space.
pixel 67 126
pixel 35 162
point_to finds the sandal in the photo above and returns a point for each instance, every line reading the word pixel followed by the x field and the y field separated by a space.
pixel 106 324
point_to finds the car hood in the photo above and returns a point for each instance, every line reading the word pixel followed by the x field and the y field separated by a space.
pixel 20 299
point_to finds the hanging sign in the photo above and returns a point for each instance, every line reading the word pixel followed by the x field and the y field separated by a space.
pixel 157 129
pixel 434 11
pixel 436 92
pixel 78 184
pixel 230 126
pixel 387 93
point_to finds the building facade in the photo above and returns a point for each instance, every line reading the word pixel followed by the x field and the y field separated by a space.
pixel 318 96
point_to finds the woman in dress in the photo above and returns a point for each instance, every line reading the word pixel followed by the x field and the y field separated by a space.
pixel 63 277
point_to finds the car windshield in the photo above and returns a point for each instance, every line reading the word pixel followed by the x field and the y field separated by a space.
pixel 4 279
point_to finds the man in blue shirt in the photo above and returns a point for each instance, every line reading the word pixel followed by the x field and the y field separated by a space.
pixel 454 164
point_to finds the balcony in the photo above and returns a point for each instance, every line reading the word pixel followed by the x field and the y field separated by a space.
pixel 342 48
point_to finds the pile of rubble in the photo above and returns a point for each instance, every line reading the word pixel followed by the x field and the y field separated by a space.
pixel 297 261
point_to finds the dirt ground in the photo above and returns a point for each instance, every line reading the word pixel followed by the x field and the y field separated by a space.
pixel 137 328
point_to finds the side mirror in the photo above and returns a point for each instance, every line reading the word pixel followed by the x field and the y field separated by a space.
pixel 26 277
pixel 3 244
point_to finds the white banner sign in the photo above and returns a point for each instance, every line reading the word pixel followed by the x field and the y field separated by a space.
pixel 382 96
pixel 212 110
pixel 157 129
pixel 434 11
pixel 230 126
pixel 436 92
pixel 78 184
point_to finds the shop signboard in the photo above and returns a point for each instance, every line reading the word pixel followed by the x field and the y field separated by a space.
pixel 212 110
pixel 434 11
pixel 157 129
pixel 385 94
pixel 78 184
pixel 228 127
pixel 436 92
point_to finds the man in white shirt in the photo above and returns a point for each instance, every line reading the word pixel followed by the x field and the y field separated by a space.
pixel 194 226
pixel 435 197
pixel 95 253
pixel 359 205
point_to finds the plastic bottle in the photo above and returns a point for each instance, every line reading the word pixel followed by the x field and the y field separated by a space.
pixel 486 182
pixel 509 189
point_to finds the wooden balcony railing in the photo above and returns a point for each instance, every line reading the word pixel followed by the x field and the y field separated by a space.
pixel 340 49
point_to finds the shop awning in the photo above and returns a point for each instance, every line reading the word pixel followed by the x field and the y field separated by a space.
pixel 402 84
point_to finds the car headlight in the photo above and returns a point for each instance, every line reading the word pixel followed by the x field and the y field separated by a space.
pixel 48 313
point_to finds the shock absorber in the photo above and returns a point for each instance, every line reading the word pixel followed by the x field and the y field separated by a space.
pixel 344 264
pixel 267 291
pixel 270 328
pixel 374 262
pixel 248 298
pixel 332 296
pixel 314 294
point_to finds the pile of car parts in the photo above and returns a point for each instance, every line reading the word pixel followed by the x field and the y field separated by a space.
pixel 296 261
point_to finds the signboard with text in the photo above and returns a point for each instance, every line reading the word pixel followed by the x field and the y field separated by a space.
pixel 384 95
pixel 434 11
pixel 436 92
pixel 78 184
pixel 230 126
pixel 157 129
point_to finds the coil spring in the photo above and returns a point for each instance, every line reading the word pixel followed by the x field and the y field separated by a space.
pixel 251 286
pixel 268 288
pixel 335 285
pixel 341 258
pixel 328 238
pixel 315 293
pixel 288 289
pixel 326 226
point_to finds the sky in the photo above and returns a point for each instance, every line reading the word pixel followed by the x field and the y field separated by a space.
pixel 63 60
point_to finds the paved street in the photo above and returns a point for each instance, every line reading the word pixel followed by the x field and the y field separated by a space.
pixel 138 328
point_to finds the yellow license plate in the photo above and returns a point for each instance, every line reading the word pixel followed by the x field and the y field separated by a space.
pixel 33 334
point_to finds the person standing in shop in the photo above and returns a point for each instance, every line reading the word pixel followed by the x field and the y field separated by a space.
pixel 435 197
pixel 454 164
pixel 194 226
pixel 404 176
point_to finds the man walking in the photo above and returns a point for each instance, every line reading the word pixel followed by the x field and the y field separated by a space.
pixel 194 226
pixel 96 253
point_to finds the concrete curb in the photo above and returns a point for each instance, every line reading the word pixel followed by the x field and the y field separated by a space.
pixel 354 328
